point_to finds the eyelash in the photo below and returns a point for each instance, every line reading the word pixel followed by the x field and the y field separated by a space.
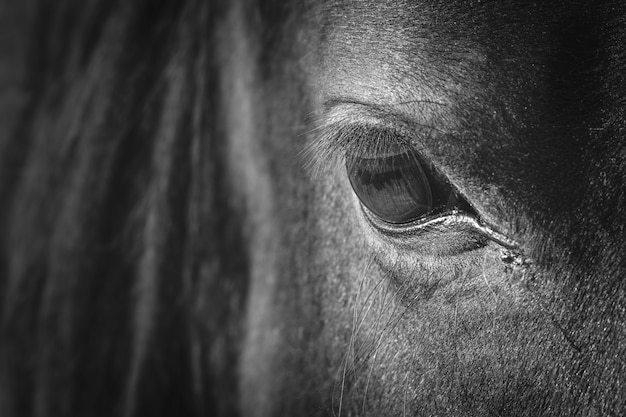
pixel 336 143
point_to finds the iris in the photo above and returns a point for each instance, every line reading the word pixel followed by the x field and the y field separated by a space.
pixel 402 187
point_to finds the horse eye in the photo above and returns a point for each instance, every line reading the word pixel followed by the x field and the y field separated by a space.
pixel 401 188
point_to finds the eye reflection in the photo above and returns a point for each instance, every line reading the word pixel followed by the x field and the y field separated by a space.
pixel 394 188
pixel 401 188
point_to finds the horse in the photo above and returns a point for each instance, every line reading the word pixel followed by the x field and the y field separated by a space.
pixel 313 208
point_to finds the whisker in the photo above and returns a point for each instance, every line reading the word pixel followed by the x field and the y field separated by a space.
pixel 354 331
pixel 370 302
pixel 369 377
pixel 484 276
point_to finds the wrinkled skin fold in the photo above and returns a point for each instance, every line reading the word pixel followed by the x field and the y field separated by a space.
pixel 180 235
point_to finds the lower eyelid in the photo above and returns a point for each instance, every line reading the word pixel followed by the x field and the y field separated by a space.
pixel 439 236
pixel 446 233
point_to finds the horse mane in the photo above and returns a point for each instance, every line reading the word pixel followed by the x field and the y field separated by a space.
pixel 118 233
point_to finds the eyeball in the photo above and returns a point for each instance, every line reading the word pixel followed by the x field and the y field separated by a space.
pixel 394 188
pixel 402 187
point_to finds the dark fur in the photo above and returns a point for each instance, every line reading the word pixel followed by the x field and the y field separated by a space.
pixel 118 130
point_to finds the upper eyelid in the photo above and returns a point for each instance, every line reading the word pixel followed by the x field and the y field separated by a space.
pixel 343 126
pixel 345 111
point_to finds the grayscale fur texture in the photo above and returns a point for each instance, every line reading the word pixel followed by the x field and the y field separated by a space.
pixel 179 237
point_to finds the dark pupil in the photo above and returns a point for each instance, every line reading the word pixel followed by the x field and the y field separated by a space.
pixel 399 188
